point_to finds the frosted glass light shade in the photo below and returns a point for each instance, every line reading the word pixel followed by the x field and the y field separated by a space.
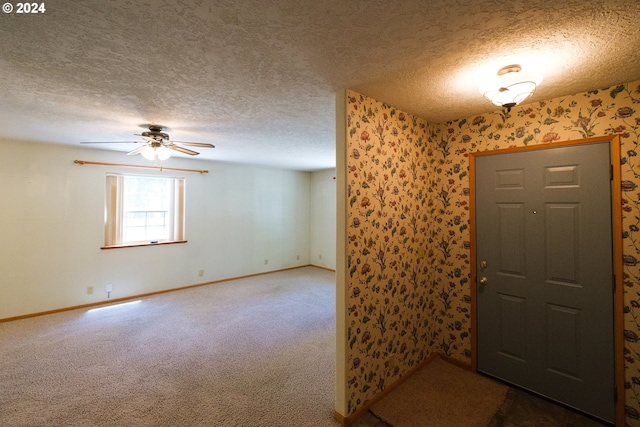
pixel 151 153
pixel 148 153
pixel 163 153
pixel 511 87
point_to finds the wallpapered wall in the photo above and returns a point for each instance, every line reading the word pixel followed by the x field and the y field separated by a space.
pixel 408 279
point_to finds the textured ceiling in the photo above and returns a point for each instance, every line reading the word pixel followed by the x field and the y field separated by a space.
pixel 258 78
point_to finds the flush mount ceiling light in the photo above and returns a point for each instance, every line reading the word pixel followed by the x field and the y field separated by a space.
pixel 511 87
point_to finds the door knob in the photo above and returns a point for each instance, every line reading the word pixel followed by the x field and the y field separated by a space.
pixel 484 281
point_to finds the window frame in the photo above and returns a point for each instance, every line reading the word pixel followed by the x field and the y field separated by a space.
pixel 113 211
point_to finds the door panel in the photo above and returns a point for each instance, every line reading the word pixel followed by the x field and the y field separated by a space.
pixel 563 338
pixel 562 243
pixel 545 316
pixel 513 320
pixel 511 231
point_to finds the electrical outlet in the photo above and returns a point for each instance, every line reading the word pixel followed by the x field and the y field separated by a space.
pixel 266 261
pixel 89 290
pixel 109 287
pixel 319 256
pixel 297 257
pixel 200 273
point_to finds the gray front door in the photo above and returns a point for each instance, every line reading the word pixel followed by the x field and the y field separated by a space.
pixel 544 244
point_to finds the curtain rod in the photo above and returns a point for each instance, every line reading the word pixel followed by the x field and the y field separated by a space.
pixel 86 162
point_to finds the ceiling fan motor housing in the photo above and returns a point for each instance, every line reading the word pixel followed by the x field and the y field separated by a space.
pixel 156 133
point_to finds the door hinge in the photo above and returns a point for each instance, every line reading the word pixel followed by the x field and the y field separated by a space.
pixel 611 173
pixel 614 284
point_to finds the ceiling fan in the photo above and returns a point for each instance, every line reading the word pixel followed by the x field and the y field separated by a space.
pixel 156 144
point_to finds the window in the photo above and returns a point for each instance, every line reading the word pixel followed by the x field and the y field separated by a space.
pixel 143 210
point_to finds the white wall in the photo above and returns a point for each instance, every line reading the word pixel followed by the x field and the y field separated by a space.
pixel 51 227
pixel 323 219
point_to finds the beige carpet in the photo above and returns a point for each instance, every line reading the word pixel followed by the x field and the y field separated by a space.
pixel 252 352
pixel 441 394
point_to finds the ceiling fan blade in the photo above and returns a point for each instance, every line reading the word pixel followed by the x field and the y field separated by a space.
pixel 146 138
pixel 195 144
pixel 181 149
pixel 137 150
pixel 109 142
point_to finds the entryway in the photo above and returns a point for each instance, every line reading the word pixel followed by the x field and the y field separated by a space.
pixel 544 270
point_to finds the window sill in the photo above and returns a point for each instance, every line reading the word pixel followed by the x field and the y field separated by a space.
pixel 137 245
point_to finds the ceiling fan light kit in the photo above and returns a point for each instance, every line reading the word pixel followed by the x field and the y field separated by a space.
pixel 510 87
pixel 155 153
pixel 157 145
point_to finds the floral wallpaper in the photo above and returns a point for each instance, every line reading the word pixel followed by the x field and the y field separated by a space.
pixel 408 216
pixel 391 302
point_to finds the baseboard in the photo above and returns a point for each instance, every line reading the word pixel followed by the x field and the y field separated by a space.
pixel 322 268
pixel 132 297
pixel 353 418
pixel 340 418
pixel 456 362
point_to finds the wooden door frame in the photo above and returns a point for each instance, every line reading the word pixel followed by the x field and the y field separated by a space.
pixel 616 212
